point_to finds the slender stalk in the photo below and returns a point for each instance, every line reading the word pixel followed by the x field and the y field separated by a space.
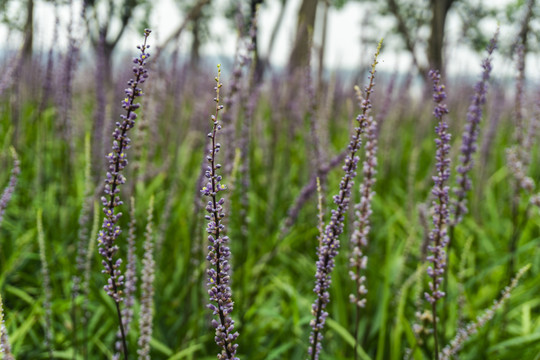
pixel 219 253
pixel 117 162
pixel 359 239
pixel 441 217
pixel 329 247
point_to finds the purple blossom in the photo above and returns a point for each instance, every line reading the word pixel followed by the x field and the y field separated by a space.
pixel 219 253
pixel 10 188
pixel 520 95
pixel 359 238
pixel 117 160
pixel 130 279
pixel 329 245
pixel 470 134
pixel 438 236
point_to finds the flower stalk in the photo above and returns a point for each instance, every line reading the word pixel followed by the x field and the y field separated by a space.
pixel 218 250
pixel 10 188
pixel 117 160
pixel 441 216
pixel 359 239
pixel 330 243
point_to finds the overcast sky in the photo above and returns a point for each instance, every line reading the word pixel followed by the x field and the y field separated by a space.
pixel 343 42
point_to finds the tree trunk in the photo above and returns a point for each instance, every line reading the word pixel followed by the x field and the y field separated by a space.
pixel 259 66
pixel 195 55
pixel 304 35
pixel 322 49
pixel 28 31
pixel 525 26
pixel 439 10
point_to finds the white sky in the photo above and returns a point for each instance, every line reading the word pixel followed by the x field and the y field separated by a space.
pixel 343 41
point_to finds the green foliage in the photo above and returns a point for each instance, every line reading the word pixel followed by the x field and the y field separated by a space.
pixel 272 277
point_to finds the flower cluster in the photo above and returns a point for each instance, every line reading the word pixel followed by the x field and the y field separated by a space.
pixel 218 250
pixel 117 159
pixel 117 162
pixel 438 235
pixel 130 284
pixel 519 96
pixel 518 169
pixel 470 134
pixel 329 245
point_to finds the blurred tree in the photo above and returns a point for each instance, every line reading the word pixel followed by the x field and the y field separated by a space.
pixel 106 22
pixel 259 65
pixel 28 31
pixel 13 15
pixel 242 15
pixel 421 25
pixel 197 17
pixel 305 26
pixel 529 30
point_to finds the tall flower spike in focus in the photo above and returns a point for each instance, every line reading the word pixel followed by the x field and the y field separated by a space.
pixel 441 216
pixel 329 245
pixel 117 162
pixel 219 253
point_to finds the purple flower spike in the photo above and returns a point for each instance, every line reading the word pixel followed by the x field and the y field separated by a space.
pixel 438 235
pixel 10 188
pixel 441 216
pixel 218 251
pixel 117 159
pixel 470 134
pixel 329 244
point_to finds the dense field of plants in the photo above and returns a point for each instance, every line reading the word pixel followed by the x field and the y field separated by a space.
pixel 416 211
